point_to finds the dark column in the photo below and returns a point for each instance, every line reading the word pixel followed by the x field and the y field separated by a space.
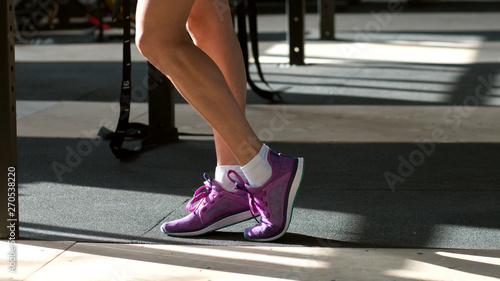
pixel 326 10
pixel 161 108
pixel 295 10
pixel 9 225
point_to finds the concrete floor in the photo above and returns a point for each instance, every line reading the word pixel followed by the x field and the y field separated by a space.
pixel 416 101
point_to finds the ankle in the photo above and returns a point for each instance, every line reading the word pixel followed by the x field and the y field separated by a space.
pixel 221 176
pixel 258 170
pixel 247 151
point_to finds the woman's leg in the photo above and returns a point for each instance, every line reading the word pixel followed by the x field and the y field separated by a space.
pixel 211 28
pixel 162 38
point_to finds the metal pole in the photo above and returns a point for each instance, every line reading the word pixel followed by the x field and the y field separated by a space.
pixel 9 225
pixel 326 9
pixel 100 4
pixel 161 108
pixel 295 35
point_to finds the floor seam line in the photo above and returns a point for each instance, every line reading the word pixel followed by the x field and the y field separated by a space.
pixel 45 264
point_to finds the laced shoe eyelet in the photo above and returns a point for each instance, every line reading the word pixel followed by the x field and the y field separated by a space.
pixel 206 214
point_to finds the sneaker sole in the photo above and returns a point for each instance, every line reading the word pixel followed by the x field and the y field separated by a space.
pixel 291 201
pixel 225 222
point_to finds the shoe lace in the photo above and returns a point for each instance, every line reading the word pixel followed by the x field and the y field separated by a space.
pixel 201 195
pixel 239 183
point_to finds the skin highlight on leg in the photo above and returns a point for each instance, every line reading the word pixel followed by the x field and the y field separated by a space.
pixel 162 38
pixel 211 28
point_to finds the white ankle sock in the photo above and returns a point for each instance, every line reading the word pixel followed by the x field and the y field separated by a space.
pixel 220 176
pixel 258 171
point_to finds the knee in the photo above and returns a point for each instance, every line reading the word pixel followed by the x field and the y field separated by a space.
pixel 146 44
pixel 159 48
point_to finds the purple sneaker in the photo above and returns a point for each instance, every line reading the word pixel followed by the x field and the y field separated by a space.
pixel 274 200
pixel 211 208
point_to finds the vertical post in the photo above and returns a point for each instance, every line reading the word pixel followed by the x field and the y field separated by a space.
pixel 295 10
pixel 326 9
pixel 99 4
pixel 9 225
pixel 161 108
pixel 63 15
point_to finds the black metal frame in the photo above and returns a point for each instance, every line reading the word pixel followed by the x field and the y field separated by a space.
pixel 295 10
pixel 161 112
pixel 8 141
pixel 326 10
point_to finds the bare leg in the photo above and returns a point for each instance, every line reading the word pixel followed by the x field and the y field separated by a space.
pixel 162 38
pixel 211 28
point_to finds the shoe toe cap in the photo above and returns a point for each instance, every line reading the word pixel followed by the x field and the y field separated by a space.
pixel 261 231
pixel 185 224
